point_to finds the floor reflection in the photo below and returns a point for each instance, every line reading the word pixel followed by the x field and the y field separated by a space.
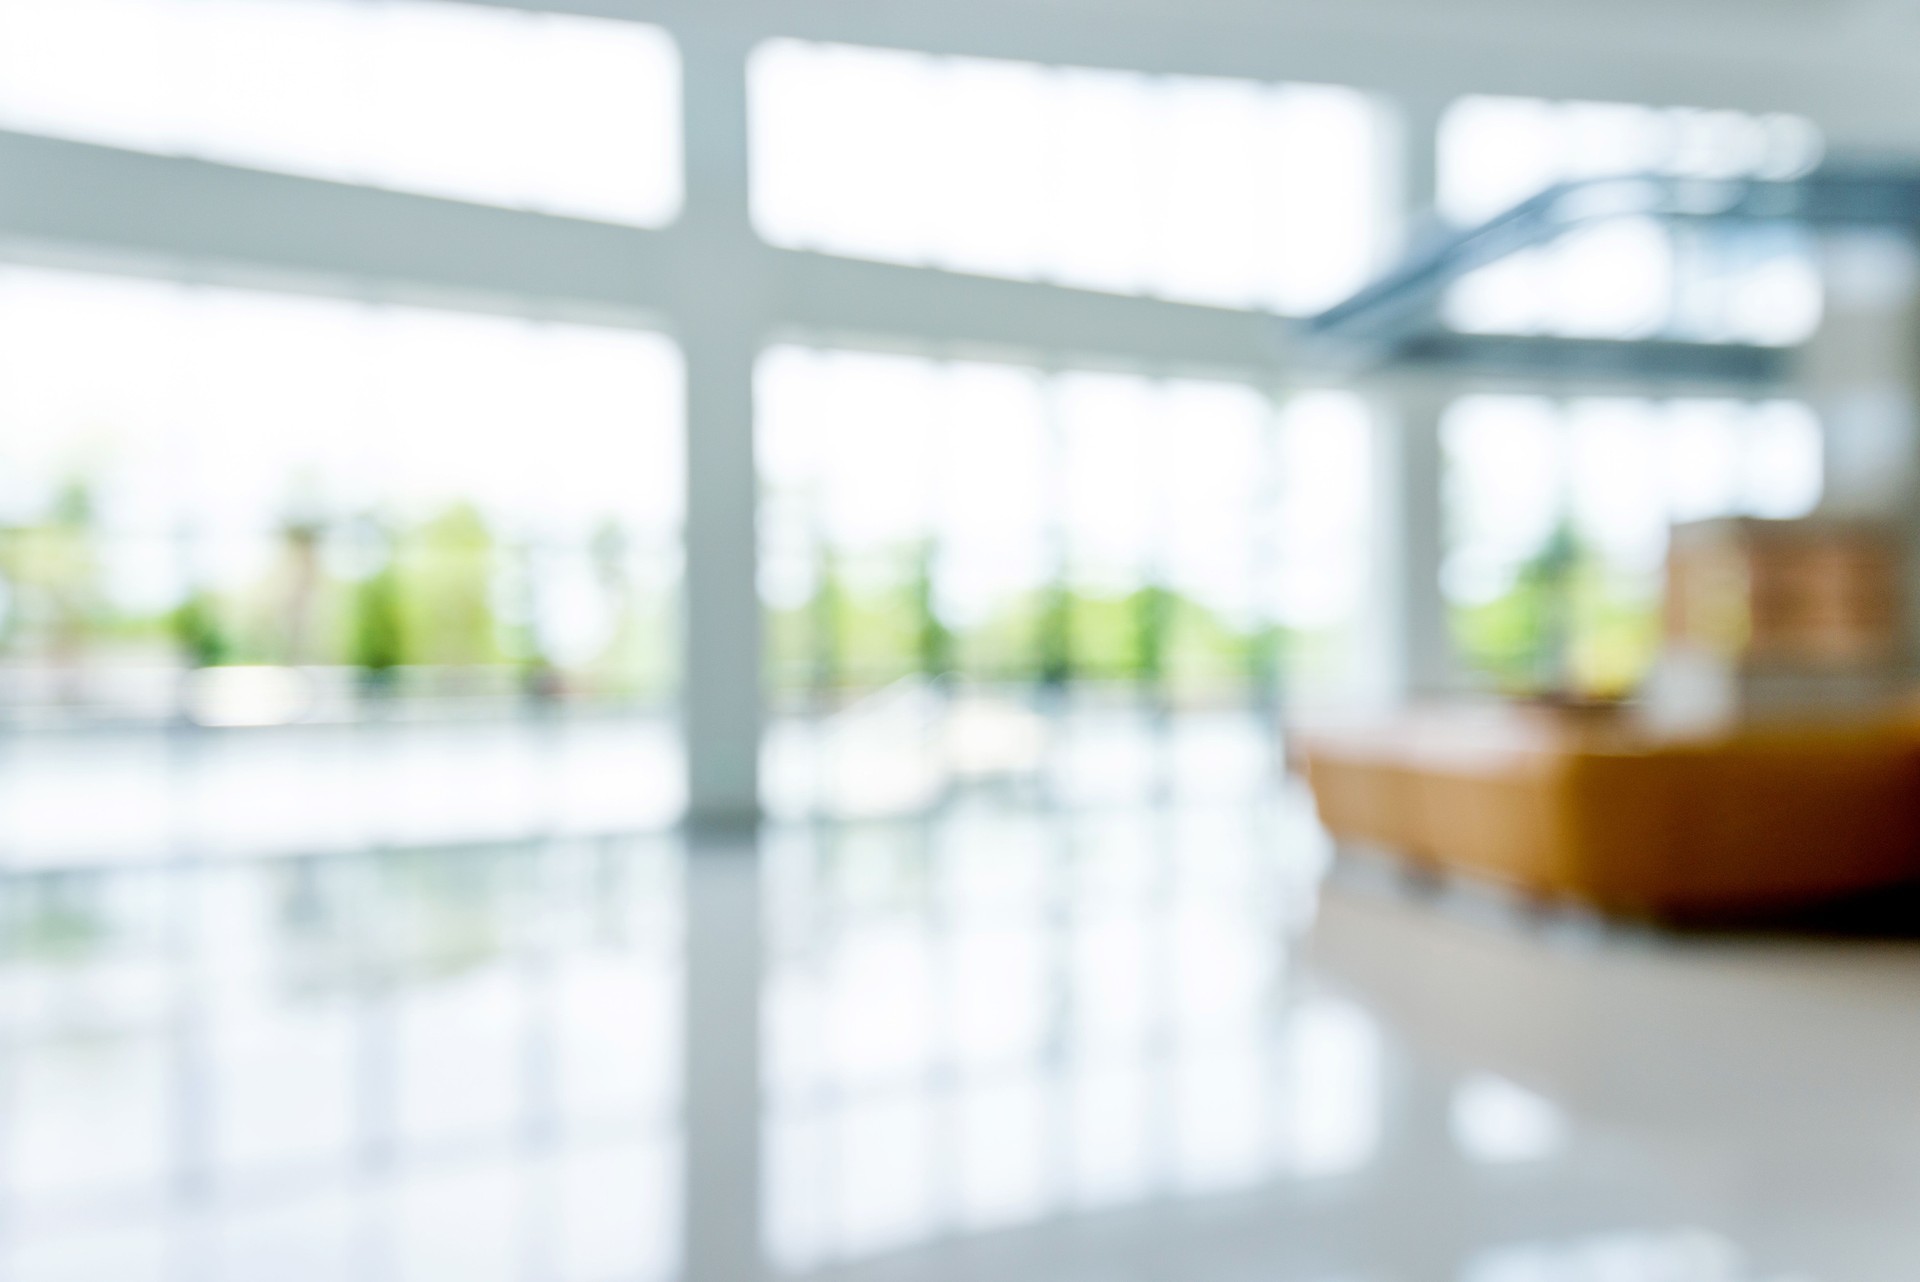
pixel 416 1064
pixel 1004 1041
pixel 309 789
pixel 982 1021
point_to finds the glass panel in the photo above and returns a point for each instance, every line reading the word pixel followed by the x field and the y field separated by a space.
pixel 236 509
pixel 1629 278
pixel 1558 517
pixel 1496 152
pixel 955 552
pixel 564 114
pixel 1228 192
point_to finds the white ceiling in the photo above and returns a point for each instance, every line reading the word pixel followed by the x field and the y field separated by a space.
pixel 1852 64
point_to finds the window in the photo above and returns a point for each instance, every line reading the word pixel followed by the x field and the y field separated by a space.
pixel 956 543
pixel 1630 277
pixel 977 491
pixel 1225 192
pixel 1496 152
pixel 562 114
pixel 432 502
pixel 1558 517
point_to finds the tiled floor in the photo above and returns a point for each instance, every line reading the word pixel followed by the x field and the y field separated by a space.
pixel 1005 1042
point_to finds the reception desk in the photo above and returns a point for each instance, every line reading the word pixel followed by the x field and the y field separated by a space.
pixel 1586 807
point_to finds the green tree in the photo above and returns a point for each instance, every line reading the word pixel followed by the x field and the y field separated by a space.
pixel 63 565
pixel 379 643
pixel 446 597
pixel 826 633
pixel 935 637
pixel 1524 637
pixel 1153 615
pixel 200 632
pixel 1552 577
pixel 1054 636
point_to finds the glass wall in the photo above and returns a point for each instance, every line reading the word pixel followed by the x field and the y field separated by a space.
pixel 1016 538
pixel 1494 152
pixel 1629 278
pixel 1229 192
pixel 254 508
pixel 1558 514
pixel 563 114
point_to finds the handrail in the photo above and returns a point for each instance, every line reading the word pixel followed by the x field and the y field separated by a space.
pixel 1839 196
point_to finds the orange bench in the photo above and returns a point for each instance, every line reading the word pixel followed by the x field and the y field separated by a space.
pixel 1588 808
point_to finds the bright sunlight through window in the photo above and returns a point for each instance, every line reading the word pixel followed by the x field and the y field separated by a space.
pixel 556 113
pixel 1227 192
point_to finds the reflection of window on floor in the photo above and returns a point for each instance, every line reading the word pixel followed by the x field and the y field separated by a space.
pixel 1010 539
pixel 1228 192
pixel 975 1025
pixel 1631 1253
pixel 1558 516
pixel 560 113
pixel 1629 278
pixel 480 1046
pixel 305 503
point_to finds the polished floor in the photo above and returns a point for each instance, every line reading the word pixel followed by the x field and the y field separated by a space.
pixel 182 791
pixel 1009 1041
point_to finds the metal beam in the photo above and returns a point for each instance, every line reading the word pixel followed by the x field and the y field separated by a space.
pixel 1396 318
pixel 1637 363
pixel 74 193
pixel 222 216
pixel 846 298
pixel 213 220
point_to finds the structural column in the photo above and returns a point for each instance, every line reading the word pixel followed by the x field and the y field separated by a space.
pixel 1409 646
pixel 720 313
pixel 1411 185
pixel 1861 373
pixel 1407 643
pixel 720 309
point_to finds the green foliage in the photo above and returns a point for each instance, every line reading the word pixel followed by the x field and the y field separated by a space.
pixel 936 638
pixel 58 918
pixel 1568 625
pixel 378 640
pixel 199 631
pixel 1616 636
pixel 1106 636
pixel 847 638
pixel 827 626
pixel 879 639
pixel 1207 653
pixel 1055 636
pixel 409 594
pixel 1006 645
pixel 445 590
pixel 1154 611
pixel 53 568
pixel 1501 637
